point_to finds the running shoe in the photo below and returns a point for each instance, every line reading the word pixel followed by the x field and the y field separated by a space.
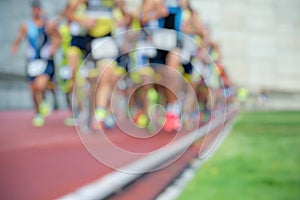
pixel 109 121
pixel 44 108
pixel 69 121
pixel 38 120
pixel 172 123
pixel 100 114
pixel 102 120
pixel 141 120
pixel 97 122
pixel 96 125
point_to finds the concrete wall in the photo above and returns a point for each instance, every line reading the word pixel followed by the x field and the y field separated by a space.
pixel 259 39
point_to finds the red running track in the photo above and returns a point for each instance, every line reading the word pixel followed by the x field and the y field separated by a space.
pixel 49 162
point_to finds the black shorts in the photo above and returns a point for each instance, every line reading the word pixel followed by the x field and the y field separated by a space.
pixel 161 56
pixel 79 41
pixel 159 59
pixel 188 68
pixel 124 61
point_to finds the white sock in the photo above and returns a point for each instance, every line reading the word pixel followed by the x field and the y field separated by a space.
pixel 174 108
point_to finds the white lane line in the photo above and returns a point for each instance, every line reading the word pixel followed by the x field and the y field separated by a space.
pixel 115 181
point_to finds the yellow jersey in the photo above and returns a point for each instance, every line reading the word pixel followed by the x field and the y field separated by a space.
pixel 102 11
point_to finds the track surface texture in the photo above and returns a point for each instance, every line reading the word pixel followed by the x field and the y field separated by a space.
pixel 52 161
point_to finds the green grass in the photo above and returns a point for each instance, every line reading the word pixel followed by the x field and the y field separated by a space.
pixel 260 159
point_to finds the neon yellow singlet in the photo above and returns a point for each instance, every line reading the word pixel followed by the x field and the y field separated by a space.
pixel 65 37
pixel 102 11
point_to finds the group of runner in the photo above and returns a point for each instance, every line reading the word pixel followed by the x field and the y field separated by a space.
pixel 158 52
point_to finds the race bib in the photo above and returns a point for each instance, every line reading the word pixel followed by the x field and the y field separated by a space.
pixel 36 67
pixel 198 65
pixel 165 39
pixel 65 73
pixel 76 29
pixel 189 44
pixel 105 14
pixel 146 49
pixel 185 56
pixel 100 9
pixel 104 48
pixel 153 24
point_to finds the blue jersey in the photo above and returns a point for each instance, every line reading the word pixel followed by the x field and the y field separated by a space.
pixel 174 19
pixel 38 41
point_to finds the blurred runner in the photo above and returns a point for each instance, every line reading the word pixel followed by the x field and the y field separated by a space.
pixel 43 40
pixel 141 74
pixel 166 14
pixel 101 50
pixel 194 32
pixel 74 33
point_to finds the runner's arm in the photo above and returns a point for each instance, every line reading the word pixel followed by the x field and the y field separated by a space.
pixel 155 11
pixel 20 37
pixel 194 26
pixel 52 30
pixel 69 13
pixel 127 17
pixel 198 26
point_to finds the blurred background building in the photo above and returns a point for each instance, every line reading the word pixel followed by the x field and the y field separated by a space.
pixel 259 40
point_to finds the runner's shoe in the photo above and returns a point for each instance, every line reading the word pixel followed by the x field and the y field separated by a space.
pixel 141 120
pixel 97 122
pixel 38 120
pixel 69 121
pixel 96 125
pixel 44 108
pixel 172 122
pixel 102 120
pixel 109 122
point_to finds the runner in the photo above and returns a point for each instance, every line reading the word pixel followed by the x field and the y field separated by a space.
pixel 128 36
pixel 159 14
pixel 99 21
pixel 141 74
pixel 194 32
pixel 74 49
pixel 43 40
